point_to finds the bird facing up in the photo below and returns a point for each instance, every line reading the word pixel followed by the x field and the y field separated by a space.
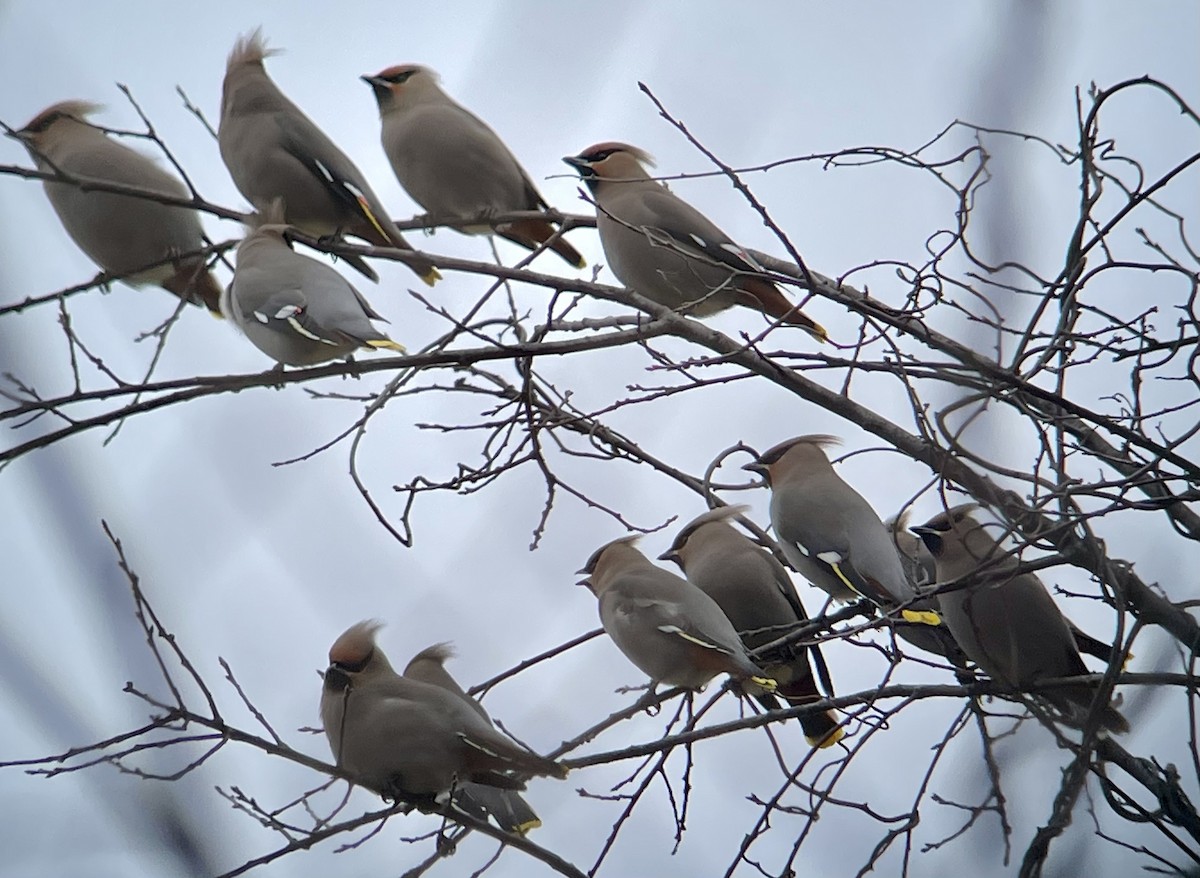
pixel 274 151
pixel 404 738
pixel 663 248
pixel 668 628
pixel 756 593
pixel 1004 620
pixel 452 164
pixel 123 234
pixel 295 309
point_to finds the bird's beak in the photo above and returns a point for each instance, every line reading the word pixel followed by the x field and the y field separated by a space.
pixel 376 83
pixel 756 467
pixel 577 162
pixel 22 135
pixel 670 555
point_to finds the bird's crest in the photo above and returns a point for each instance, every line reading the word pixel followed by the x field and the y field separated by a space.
pixel 78 110
pixel 721 513
pixel 439 653
pixel 356 644
pixel 820 440
pixel 600 151
pixel 250 48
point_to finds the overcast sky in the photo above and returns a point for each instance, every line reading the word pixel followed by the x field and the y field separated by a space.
pixel 264 565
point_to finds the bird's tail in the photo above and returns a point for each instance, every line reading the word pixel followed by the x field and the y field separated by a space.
pixel 766 297
pixel 506 807
pixel 193 282
pixel 532 234
pixel 1076 702
pixel 383 233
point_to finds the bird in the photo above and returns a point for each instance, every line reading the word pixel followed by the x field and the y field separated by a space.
pixel 663 248
pixel 452 164
pixel 921 568
pixel 754 590
pixel 1006 621
pixel 123 234
pixel 295 309
pixel 407 739
pixel 827 530
pixel 511 812
pixel 273 150
pixel 668 628
pixel 833 537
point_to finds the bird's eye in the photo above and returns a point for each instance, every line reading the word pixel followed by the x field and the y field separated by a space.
pixel 401 77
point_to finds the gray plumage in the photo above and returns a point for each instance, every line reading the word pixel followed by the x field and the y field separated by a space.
pixel 274 151
pixel 404 738
pixel 663 248
pixel 452 164
pixel 295 309
pixel 755 592
pixel 122 234
pixel 1006 621
pixel 667 627
pixel 826 529
pixel 506 807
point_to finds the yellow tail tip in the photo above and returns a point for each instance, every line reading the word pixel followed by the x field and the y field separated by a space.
pixel 921 617
pixel 523 829
pixel 828 741
pixel 819 333
pixel 582 263
pixel 387 344
pixel 432 276
pixel 766 683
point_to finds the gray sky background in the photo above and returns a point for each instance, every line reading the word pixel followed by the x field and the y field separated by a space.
pixel 264 565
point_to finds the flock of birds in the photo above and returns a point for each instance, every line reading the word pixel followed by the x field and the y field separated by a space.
pixel 948 586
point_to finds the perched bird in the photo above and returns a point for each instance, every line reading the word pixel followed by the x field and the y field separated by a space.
pixel 835 540
pixel 663 248
pixel 452 163
pixel 1006 621
pixel 403 738
pixel 295 309
pixel 666 626
pixel 273 150
pixel 756 593
pixel 123 234
pixel 921 568
pixel 827 530
pixel 510 811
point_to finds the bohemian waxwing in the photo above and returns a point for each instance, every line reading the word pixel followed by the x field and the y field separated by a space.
pixel 295 309
pixel 120 233
pixel 755 592
pixel 452 164
pixel 663 248
pixel 666 626
pixel 921 568
pixel 273 150
pixel 834 539
pixel 404 738
pixel 509 810
pixel 827 530
pixel 1005 621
